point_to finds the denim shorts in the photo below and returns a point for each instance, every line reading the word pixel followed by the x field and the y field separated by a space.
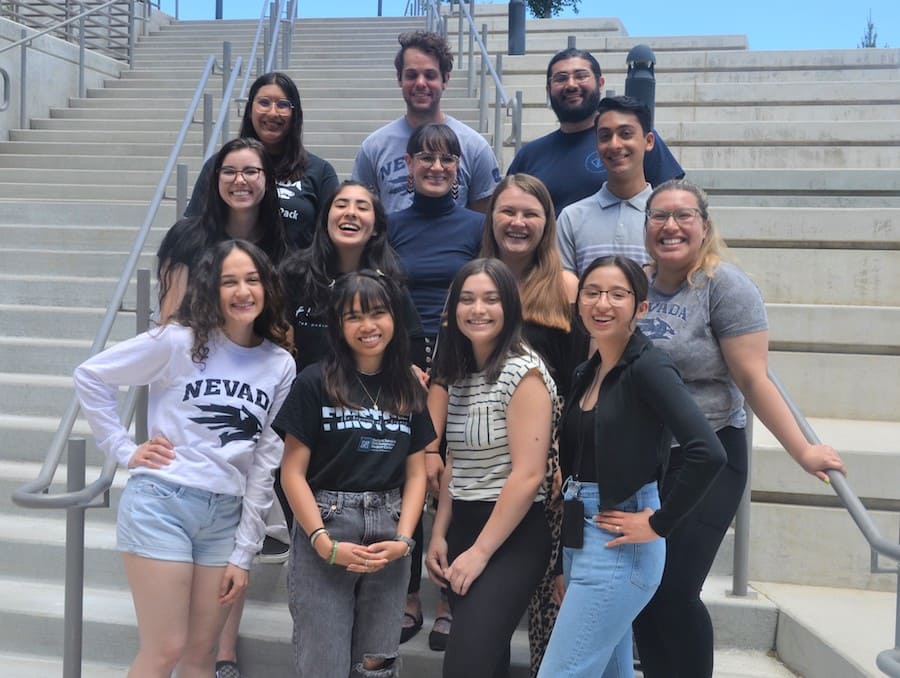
pixel 162 520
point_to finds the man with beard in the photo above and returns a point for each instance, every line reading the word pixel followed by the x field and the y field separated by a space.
pixel 567 160
pixel 423 66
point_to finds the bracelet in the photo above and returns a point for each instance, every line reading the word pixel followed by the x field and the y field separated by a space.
pixel 315 534
pixel 334 545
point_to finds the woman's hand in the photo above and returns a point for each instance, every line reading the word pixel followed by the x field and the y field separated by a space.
pixel 155 453
pixel 816 459
pixel 559 589
pixel 436 560
pixel 466 568
pixel 421 376
pixel 376 556
pixel 629 528
pixel 434 468
pixel 234 584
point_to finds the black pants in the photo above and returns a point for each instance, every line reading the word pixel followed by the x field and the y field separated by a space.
pixel 674 633
pixel 485 618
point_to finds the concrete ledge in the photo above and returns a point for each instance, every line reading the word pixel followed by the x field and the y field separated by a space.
pixel 833 329
pixel 831 633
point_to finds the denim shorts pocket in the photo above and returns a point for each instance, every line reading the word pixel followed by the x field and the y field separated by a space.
pixel 157 489
pixel 647 564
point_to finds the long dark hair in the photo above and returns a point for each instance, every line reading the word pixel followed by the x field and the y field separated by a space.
pixel 401 391
pixel 190 237
pixel 312 272
pixel 201 309
pixel 455 359
pixel 293 162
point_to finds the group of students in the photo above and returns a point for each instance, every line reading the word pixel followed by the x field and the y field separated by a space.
pixel 583 436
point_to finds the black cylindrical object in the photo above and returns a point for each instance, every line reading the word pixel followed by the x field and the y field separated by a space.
pixel 640 82
pixel 516 27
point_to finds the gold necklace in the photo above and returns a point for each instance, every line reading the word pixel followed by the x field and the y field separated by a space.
pixel 377 394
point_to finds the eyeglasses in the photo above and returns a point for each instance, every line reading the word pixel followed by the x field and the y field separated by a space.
pixel 562 77
pixel 230 173
pixel 684 216
pixel 282 106
pixel 616 296
pixel 428 159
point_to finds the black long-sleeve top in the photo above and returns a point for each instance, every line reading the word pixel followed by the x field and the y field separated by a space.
pixel 642 404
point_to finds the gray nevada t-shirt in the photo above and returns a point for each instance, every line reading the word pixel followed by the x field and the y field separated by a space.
pixel 689 323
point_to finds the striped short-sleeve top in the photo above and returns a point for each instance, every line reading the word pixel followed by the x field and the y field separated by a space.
pixel 477 429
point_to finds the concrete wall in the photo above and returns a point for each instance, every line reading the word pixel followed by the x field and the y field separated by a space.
pixel 51 75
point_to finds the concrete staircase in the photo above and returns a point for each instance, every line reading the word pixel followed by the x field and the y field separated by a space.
pixel 799 152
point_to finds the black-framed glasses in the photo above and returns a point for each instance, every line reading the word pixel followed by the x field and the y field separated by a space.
pixel 230 173
pixel 428 158
pixel 581 76
pixel 683 216
pixel 616 296
pixel 282 106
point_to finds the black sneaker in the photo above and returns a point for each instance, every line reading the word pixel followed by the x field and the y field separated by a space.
pixel 273 551
pixel 225 669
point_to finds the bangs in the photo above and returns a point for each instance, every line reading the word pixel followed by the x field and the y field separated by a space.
pixel 371 295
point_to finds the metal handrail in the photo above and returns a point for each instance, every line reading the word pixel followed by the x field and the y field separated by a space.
pixel 513 105
pixel 34 494
pixel 60 24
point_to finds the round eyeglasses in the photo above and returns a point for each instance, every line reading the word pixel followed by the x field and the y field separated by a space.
pixel 683 216
pixel 428 159
pixel 616 296
pixel 282 106
pixel 231 173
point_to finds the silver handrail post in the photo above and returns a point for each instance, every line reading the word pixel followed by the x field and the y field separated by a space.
pixel 142 324
pixel 73 615
pixel 207 120
pixel 740 571
pixel 23 75
pixel 132 38
pixel 517 121
pixel 81 91
pixel 470 80
pixel 498 115
pixel 482 87
pixel 226 77
pixel 181 182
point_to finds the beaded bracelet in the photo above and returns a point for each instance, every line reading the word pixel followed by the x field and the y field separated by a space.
pixel 315 534
pixel 334 545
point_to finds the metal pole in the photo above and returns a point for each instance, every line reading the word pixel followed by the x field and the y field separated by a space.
pixel 142 324
pixel 640 82
pixel 23 73
pixel 470 83
pixel 218 9
pixel 226 74
pixel 181 177
pixel 379 7
pixel 517 121
pixel 73 615
pixel 570 43
pixel 498 116
pixel 741 563
pixel 459 37
pixel 482 91
pixel 81 91
pixel 132 40
pixel 207 119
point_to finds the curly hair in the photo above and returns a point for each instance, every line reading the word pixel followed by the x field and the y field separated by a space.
pixel 544 299
pixel 432 44
pixel 402 392
pixel 294 161
pixel 201 309
pixel 191 237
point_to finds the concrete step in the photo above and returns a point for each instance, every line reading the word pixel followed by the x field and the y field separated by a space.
pixel 831 632
pixel 60 290
pixel 79 215
pixel 79 237
pixel 49 322
pixel 861 156
pixel 38 190
pixel 96 162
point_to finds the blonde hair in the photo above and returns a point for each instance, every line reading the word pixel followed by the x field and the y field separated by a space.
pixel 713 250
pixel 544 298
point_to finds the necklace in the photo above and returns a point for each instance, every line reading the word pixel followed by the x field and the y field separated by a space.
pixel 377 394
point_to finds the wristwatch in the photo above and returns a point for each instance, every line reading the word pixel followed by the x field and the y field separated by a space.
pixel 410 543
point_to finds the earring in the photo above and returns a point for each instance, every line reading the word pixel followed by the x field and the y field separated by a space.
pixel 410 184
pixel 454 189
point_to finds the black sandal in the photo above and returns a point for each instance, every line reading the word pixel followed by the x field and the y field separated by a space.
pixel 437 640
pixel 407 631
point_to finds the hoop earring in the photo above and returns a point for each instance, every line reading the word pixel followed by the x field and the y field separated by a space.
pixel 454 190
pixel 410 184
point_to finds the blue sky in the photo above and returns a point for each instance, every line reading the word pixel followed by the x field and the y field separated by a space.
pixel 768 24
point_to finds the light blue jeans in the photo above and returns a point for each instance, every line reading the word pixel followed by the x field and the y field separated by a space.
pixel 606 588
pixel 341 618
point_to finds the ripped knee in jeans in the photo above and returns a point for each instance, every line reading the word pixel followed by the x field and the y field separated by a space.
pixel 376 666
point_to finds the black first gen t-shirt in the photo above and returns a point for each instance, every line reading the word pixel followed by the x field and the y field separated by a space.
pixel 352 450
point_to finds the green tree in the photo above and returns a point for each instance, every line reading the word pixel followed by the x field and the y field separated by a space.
pixel 545 9
pixel 870 37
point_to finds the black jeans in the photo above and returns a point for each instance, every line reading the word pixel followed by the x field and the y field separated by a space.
pixel 485 618
pixel 674 633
